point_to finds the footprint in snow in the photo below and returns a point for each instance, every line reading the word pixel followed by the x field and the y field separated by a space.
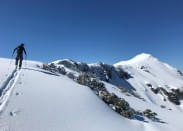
pixel 14 113
pixel 20 83
pixel 17 93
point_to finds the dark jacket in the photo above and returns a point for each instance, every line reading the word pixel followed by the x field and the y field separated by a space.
pixel 20 49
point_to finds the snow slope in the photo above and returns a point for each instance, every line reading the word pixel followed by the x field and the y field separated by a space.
pixel 43 102
pixel 146 69
pixel 38 100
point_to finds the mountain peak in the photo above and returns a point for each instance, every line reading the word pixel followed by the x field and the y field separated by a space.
pixel 138 58
pixel 63 61
pixel 142 56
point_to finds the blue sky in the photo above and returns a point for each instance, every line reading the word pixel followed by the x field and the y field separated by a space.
pixel 93 30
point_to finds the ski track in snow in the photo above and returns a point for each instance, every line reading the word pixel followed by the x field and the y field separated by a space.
pixel 7 87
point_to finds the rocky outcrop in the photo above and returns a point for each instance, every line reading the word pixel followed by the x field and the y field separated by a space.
pixel 180 72
pixel 173 96
pixel 53 68
pixel 90 79
pixel 119 105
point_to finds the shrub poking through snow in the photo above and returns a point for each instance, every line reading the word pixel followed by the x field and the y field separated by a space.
pixel 52 68
pixel 71 75
pixel 46 67
pixel 149 114
pixel 96 85
pixel 62 70
pixel 83 79
pixel 117 104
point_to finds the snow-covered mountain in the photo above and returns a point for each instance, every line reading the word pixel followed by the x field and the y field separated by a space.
pixel 148 71
pixel 142 94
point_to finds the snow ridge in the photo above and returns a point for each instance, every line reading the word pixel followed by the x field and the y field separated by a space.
pixel 138 59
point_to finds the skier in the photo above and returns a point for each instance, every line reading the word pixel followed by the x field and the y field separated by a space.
pixel 19 58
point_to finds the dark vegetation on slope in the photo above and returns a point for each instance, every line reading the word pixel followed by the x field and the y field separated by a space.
pixel 174 96
pixel 89 77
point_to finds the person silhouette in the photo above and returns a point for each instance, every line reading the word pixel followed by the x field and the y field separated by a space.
pixel 19 57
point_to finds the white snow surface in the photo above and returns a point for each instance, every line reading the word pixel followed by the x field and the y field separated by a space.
pixel 146 69
pixel 37 100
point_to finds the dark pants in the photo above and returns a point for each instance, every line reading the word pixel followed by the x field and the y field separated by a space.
pixel 19 59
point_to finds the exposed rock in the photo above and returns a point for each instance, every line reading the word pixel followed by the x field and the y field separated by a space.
pixel 91 76
pixel 156 91
pixel 178 93
pixel 172 96
pixel 69 64
pixel 50 67
pixel 145 69
pixel 180 73
pixel 62 70
pixel 149 85
pixel 123 74
pixel 82 67
pixel 117 104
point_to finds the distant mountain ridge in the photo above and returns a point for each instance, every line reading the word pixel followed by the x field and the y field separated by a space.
pixel 143 72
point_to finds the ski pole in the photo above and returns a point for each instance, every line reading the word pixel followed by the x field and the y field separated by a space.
pixel 11 59
pixel 25 60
